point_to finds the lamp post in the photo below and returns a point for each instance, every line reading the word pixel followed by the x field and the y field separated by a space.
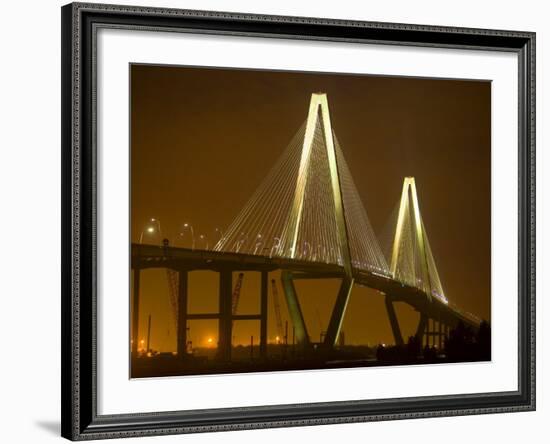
pixel 151 229
pixel 217 238
pixel 184 229
pixel 204 242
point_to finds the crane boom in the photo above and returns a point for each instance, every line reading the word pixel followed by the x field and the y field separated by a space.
pixel 236 294
pixel 173 281
pixel 277 307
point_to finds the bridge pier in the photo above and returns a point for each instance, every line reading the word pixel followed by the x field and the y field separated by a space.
pixel 435 332
pixel 426 339
pixel 135 313
pixel 182 313
pixel 393 321
pixel 225 321
pixel 224 315
pixel 294 309
pixel 421 329
pixel 337 316
pixel 263 315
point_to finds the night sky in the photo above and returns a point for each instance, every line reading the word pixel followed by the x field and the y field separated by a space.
pixel 202 140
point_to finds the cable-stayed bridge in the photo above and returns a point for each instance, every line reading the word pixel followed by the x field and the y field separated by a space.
pixel 307 220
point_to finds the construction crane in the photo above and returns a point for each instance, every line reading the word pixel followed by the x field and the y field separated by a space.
pixel 277 307
pixel 236 294
pixel 173 283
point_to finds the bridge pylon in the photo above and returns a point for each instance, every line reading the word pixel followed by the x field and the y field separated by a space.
pixel 319 126
pixel 318 118
pixel 412 261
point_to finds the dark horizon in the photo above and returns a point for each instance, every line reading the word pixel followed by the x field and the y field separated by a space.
pixel 203 139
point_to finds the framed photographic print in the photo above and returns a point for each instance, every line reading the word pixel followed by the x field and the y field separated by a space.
pixel 282 221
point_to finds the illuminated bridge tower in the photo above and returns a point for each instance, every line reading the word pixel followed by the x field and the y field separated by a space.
pixel 318 129
pixel 308 211
pixel 412 261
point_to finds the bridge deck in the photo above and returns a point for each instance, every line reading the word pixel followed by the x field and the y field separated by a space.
pixel 152 256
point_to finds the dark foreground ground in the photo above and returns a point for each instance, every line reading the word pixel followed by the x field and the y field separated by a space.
pixel 245 360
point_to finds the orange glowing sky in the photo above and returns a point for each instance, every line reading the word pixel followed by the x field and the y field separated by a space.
pixel 203 139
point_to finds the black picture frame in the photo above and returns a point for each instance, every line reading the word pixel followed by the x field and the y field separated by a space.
pixel 79 171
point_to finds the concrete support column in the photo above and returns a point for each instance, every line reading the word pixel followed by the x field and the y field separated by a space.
pixel 135 313
pixel 294 308
pixel 421 329
pixel 427 333
pixel 182 313
pixel 338 312
pixel 225 322
pixel 393 321
pixel 263 315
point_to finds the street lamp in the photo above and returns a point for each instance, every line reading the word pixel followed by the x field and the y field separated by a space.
pixel 203 242
pixel 217 237
pixel 151 232
pixel 241 241
pixel 259 243
pixel 275 246
pixel 186 230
